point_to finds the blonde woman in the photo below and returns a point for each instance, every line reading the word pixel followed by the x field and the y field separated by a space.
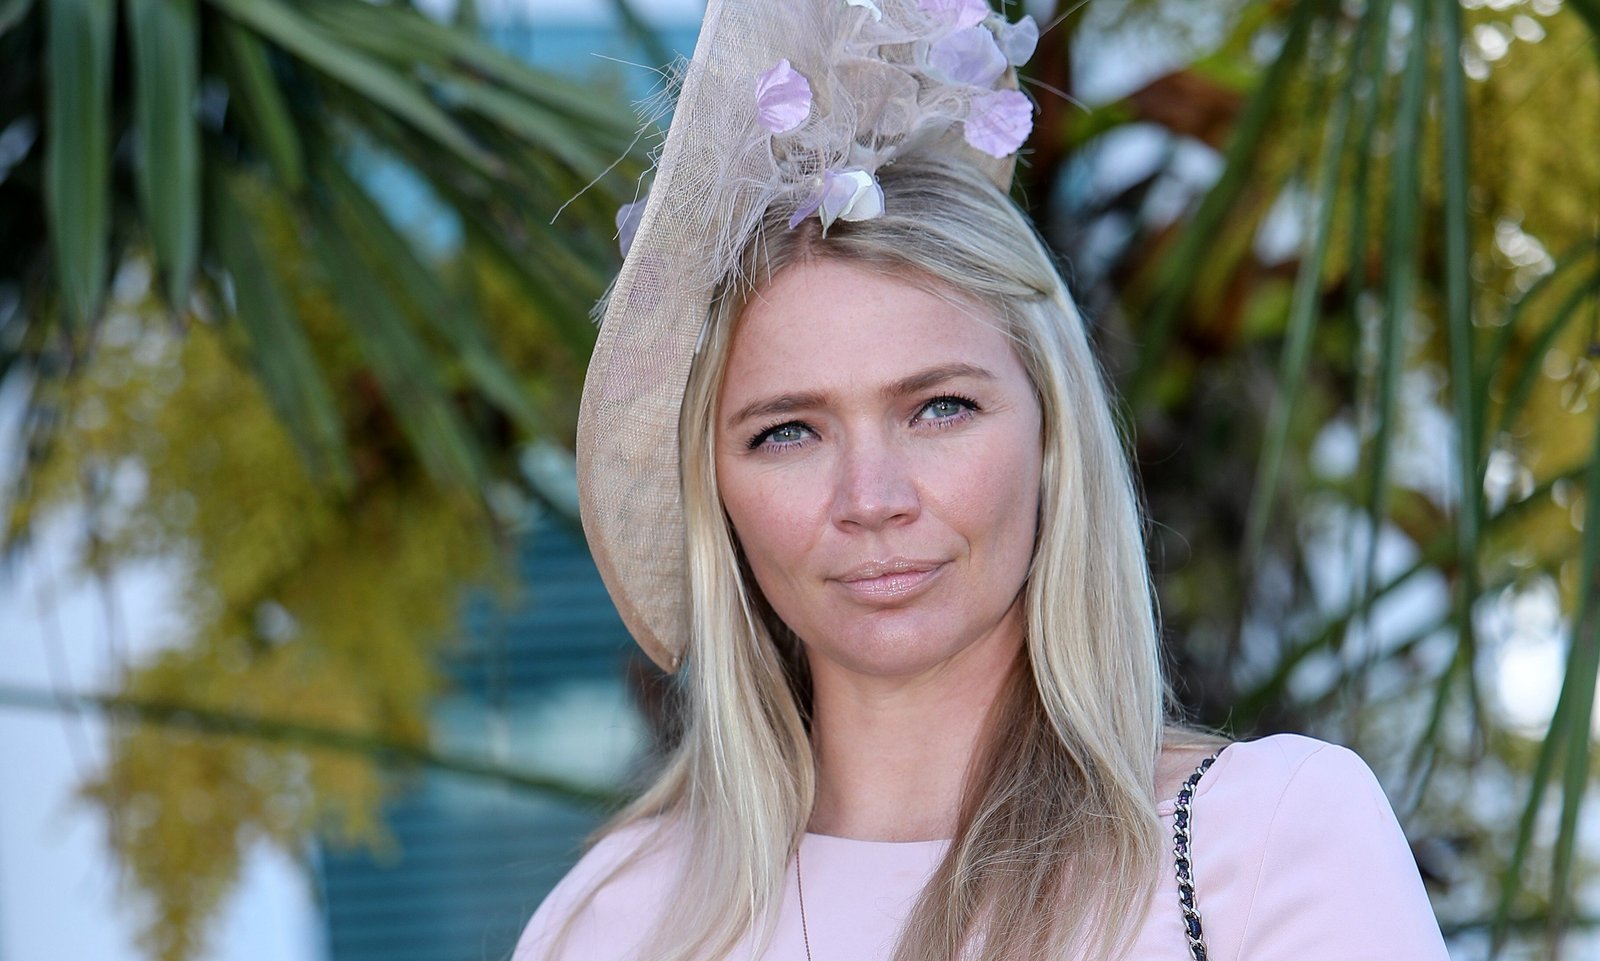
pixel 849 469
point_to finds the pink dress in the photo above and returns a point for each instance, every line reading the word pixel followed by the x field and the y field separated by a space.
pixel 1297 857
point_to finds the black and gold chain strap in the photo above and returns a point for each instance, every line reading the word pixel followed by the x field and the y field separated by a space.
pixel 1182 865
pixel 1182 862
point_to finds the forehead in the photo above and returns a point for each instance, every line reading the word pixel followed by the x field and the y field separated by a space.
pixel 831 324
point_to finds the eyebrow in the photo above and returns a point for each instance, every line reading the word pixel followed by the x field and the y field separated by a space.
pixel 806 400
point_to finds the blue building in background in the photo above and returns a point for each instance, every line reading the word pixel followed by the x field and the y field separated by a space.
pixel 540 684
pixel 472 859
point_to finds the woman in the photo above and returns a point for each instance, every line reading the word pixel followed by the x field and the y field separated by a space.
pixel 894 553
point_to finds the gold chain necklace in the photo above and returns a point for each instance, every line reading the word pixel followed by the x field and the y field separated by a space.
pixel 800 888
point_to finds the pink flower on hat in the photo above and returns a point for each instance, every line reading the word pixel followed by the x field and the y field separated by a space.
pixel 998 122
pixel 1019 40
pixel 628 217
pixel 968 56
pixel 957 13
pixel 783 98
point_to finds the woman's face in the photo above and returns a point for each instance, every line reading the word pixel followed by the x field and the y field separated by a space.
pixel 878 451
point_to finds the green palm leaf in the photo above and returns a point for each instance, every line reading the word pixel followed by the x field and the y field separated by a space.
pixel 12 12
pixel 166 59
pixel 78 149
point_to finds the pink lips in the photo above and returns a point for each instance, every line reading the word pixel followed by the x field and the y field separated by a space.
pixel 890 580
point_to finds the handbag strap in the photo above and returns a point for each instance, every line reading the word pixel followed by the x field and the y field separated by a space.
pixel 1182 862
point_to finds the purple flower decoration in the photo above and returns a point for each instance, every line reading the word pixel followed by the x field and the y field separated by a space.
pixel 628 217
pixel 783 98
pixel 968 56
pixel 997 123
pixel 851 194
pixel 1019 40
pixel 959 14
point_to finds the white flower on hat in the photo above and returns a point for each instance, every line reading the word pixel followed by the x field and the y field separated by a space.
pixel 848 194
pixel 783 98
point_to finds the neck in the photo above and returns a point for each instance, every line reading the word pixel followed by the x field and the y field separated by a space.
pixel 893 753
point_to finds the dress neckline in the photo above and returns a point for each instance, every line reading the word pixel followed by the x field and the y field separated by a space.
pixel 1165 808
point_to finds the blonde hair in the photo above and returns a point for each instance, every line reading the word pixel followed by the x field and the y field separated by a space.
pixel 1058 844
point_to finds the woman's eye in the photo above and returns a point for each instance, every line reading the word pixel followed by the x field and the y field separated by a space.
pixel 783 435
pixel 945 408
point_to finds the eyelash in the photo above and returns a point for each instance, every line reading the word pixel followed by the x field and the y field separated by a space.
pixel 970 405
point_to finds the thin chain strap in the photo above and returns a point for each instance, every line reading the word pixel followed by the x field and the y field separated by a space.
pixel 800 887
pixel 1180 851
pixel 1183 867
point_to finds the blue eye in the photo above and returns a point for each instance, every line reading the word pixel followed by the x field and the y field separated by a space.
pixel 946 408
pixel 781 435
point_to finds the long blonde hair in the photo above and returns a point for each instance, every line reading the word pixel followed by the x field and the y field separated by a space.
pixel 1058 843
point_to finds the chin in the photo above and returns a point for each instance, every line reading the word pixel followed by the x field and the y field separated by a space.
pixel 899 650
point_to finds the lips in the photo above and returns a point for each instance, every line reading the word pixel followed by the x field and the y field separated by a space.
pixel 893 580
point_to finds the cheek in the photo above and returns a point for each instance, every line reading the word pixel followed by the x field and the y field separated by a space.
pixel 999 499
pixel 769 517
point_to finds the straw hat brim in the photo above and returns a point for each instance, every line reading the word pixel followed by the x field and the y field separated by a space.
pixel 628 473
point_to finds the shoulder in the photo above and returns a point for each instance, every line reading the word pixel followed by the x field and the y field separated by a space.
pixel 611 896
pixel 1252 772
pixel 1302 835
pixel 1300 793
pixel 1277 761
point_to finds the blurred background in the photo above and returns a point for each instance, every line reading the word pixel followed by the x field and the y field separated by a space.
pixel 302 656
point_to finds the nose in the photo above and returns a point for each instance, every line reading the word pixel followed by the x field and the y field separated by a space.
pixel 875 486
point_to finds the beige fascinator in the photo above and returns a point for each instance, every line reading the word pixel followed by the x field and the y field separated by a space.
pixel 791 105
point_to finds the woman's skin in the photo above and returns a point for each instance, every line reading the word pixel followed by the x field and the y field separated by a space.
pixel 878 451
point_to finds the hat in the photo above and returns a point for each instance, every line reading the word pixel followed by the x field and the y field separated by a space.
pixel 787 105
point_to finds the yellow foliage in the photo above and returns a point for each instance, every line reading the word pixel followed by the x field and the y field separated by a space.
pixel 297 608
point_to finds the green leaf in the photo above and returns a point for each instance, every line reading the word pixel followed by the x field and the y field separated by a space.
pixel 1589 12
pixel 260 104
pixel 1401 254
pixel 409 39
pixel 1463 383
pixel 1527 373
pixel 1303 311
pixel 555 283
pixel 12 12
pixel 1578 688
pixel 363 75
pixel 530 121
pixel 1182 266
pixel 166 68
pixel 400 362
pixel 1567 742
pixel 1255 699
pixel 1370 98
pixel 77 149
pixel 558 284
pixel 377 746
pixel 1509 326
pixel 279 349
pixel 405 273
